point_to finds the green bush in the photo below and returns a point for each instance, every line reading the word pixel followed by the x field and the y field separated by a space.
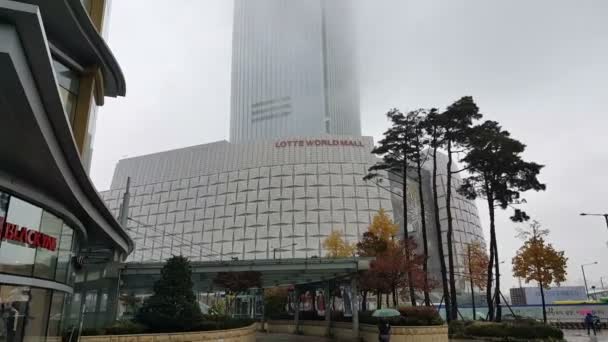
pixel 524 331
pixel 222 323
pixel 173 306
pixel 420 315
pixel 456 328
pixel 124 328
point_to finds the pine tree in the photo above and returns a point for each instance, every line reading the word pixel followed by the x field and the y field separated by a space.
pixel 456 122
pixel 435 133
pixel 396 149
pixel 499 175
pixel 173 306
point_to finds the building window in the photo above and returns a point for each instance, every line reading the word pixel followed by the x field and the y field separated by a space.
pixel 64 254
pixel 33 242
pixel 75 308
pixel 46 260
pixel 30 314
pixel 15 257
pixel 103 301
pixel 90 301
pixel 56 316
pixel 68 83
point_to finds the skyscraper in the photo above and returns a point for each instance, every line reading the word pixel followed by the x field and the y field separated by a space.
pixel 293 70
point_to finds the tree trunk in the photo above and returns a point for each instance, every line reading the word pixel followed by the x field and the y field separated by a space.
pixel 364 300
pixel 450 233
pixel 497 282
pixel 388 304
pixel 489 297
pixel 406 234
pixel 395 297
pixel 378 299
pixel 471 282
pixel 444 275
pixel 425 244
pixel 542 297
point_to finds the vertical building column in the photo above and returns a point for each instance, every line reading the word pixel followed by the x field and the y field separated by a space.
pixel 326 299
pixel 354 288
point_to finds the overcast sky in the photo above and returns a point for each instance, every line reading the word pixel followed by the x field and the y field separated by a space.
pixel 540 68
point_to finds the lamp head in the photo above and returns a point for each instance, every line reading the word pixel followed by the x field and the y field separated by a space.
pixel 583 214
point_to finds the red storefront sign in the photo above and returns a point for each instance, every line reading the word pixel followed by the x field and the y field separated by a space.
pixel 31 238
pixel 318 142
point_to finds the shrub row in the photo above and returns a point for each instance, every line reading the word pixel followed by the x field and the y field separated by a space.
pixel 129 327
pixel 507 330
pixel 410 316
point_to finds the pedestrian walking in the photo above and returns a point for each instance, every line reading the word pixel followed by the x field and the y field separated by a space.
pixel 384 331
pixel 590 323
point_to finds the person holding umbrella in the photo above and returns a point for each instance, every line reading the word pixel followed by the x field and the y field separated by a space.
pixel 384 327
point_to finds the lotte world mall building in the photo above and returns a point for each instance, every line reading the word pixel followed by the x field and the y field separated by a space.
pixel 293 169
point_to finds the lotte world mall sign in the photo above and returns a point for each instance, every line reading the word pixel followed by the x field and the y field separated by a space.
pixel 317 142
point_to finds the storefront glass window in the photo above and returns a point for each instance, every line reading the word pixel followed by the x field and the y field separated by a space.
pixel 65 254
pixel 16 257
pixel 75 309
pixel 103 301
pixel 90 301
pixel 56 316
pixel 46 260
pixel 31 314
pixel 37 315
pixel 68 82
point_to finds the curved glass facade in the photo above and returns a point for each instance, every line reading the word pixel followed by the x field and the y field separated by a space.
pixel 34 242
pixel 37 244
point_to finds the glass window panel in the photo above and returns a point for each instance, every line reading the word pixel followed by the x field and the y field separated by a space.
pixel 37 315
pixel 90 301
pixel 15 257
pixel 66 78
pixel 56 316
pixel 75 307
pixel 46 260
pixel 65 253
pixel 103 301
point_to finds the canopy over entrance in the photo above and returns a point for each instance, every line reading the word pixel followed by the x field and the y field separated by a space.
pixel 273 272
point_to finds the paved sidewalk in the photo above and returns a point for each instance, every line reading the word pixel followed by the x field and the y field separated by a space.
pixel 263 337
pixel 581 335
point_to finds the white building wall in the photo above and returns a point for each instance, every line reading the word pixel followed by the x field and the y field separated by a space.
pixel 221 200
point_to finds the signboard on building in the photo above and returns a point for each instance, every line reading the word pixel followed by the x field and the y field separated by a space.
pixel 30 237
pixel 318 142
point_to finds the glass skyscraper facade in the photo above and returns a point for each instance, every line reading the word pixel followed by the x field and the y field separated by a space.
pixel 294 70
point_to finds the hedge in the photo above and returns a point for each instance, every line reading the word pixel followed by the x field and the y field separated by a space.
pixel 125 327
pixel 511 330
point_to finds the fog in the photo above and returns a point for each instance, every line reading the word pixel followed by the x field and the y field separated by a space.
pixel 539 68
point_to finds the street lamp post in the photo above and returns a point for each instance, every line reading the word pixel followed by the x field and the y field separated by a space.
pixel 585 278
pixel 604 215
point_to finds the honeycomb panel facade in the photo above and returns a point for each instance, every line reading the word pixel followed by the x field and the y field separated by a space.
pixel 274 209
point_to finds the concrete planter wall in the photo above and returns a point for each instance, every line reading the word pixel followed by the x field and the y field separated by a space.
pixel 342 331
pixel 246 334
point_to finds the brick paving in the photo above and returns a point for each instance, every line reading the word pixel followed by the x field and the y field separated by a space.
pixel 581 335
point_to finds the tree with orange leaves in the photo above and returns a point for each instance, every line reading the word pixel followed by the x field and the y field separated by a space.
pixel 337 247
pixel 538 261
pixel 391 268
